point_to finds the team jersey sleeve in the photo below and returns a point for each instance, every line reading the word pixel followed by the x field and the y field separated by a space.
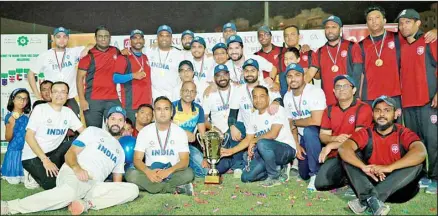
pixel 84 63
pixel 75 123
pixel 356 54
pixel 279 117
pixel 315 60
pixel 142 139
pixel 120 66
pixel 408 137
pixel 319 102
pixel 120 166
pixel 183 141
pixel 206 105
pixel 35 119
pixel 201 118
pixel 365 116
pixel 326 123
pixel 360 138
pixel 85 136
pixel 37 65
pixel 250 126
pixel 234 103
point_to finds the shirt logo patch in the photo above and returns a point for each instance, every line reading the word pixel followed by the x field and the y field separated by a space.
pixel 433 119
pixel 152 144
pixel 49 121
pixel 305 58
pixel 275 56
pixel 394 148
pixel 114 56
pixel 351 119
pixel 344 53
pixel 420 50
pixel 304 102
pixel 391 45
pixel 65 122
pixel 255 127
pixel 266 122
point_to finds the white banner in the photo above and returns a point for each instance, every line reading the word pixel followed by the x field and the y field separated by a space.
pixel 17 52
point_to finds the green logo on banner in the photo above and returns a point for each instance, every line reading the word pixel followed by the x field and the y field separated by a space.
pixel 22 41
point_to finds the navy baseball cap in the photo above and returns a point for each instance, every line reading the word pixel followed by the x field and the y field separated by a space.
pixel 295 67
pixel 334 19
pixel 234 38
pixel 265 29
pixel 345 76
pixel 164 28
pixel 229 25
pixel 386 99
pixel 116 109
pixel 251 62
pixel 136 31
pixel 219 46
pixel 187 32
pixel 220 68
pixel 61 29
pixel 198 40
pixel 185 62
pixel 408 13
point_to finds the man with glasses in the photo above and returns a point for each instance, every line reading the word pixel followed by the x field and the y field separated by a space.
pixel 44 151
pixel 98 93
pixel 186 74
pixel 268 51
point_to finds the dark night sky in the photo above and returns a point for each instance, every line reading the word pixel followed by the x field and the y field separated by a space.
pixel 122 17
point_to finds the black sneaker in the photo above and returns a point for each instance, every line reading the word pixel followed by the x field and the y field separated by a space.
pixel 377 206
pixel 186 189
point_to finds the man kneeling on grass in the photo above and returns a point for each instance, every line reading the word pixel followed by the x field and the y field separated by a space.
pixel 269 140
pixel 91 158
pixel 164 146
pixel 387 164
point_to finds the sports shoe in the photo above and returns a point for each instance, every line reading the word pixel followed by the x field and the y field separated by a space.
pixel 349 192
pixel 311 185
pixel 424 182
pixel 78 207
pixel 29 181
pixel 270 182
pixel 285 173
pixel 186 189
pixel 356 206
pixel 4 208
pixel 237 173
pixel 377 206
pixel 431 189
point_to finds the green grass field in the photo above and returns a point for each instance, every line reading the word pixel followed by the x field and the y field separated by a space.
pixel 236 198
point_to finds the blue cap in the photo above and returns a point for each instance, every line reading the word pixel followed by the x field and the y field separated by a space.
pixel 164 28
pixel 251 62
pixel 265 29
pixel 234 38
pixel 229 25
pixel 334 19
pixel 116 109
pixel 408 13
pixel 136 31
pixel 220 68
pixel 61 29
pixel 386 99
pixel 198 40
pixel 187 32
pixel 185 62
pixel 295 67
pixel 344 76
pixel 218 46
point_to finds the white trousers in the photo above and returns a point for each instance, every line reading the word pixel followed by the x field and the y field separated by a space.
pixel 69 188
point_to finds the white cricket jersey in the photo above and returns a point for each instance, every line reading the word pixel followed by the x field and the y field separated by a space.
pixel 50 128
pixel 312 99
pixel 236 72
pixel 262 123
pixel 48 64
pixel 242 100
pixel 147 142
pixel 187 54
pixel 102 153
pixel 218 105
pixel 164 71
pixel 203 73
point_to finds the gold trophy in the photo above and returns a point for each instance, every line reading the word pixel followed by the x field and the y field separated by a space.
pixel 212 142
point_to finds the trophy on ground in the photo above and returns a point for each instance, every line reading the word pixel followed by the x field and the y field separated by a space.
pixel 212 142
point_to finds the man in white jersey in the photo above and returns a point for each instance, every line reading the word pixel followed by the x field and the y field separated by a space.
pixel 186 40
pixel 237 58
pixel 43 153
pixel 186 74
pixel 203 65
pixel 59 64
pixel 164 145
pixel 164 61
pixel 94 155
pixel 269 142
pixel 220 54
pixel 305 104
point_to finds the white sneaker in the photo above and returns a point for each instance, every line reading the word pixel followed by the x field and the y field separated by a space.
pixel 4 208
pixel 29 182
pixel 311 185
pixel 237 173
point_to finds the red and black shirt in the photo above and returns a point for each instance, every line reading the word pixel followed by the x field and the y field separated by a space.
pixel 305 59
pixel 272 56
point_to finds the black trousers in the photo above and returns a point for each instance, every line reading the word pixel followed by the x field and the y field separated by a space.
pixel 331 175
pixel 36 169
pixel 423 121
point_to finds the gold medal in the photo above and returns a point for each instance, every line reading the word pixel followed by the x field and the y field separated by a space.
pixel 16 115
pixel 335 68
pixel 252 109
pixel 379 62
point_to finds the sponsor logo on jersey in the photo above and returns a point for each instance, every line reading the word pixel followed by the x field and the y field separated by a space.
pixel 107 152
pixel 351 119
pixel 344 53
pixel 420 50
pixel 391 44
pixel 305 58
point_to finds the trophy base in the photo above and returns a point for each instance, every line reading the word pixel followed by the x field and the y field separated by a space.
pixel 212 180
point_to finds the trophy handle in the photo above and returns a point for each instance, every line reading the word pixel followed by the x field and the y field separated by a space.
pixel 199 138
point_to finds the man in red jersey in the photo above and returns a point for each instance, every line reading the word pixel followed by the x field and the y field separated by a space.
pixel 134 74
pixel 268 51
pixel 96 89
pixel 418 75
pixel 291 36
pixel 336 57
pixel 339 121
pixel 383 162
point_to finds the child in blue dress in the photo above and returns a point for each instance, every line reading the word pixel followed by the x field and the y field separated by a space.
pixel 15 122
